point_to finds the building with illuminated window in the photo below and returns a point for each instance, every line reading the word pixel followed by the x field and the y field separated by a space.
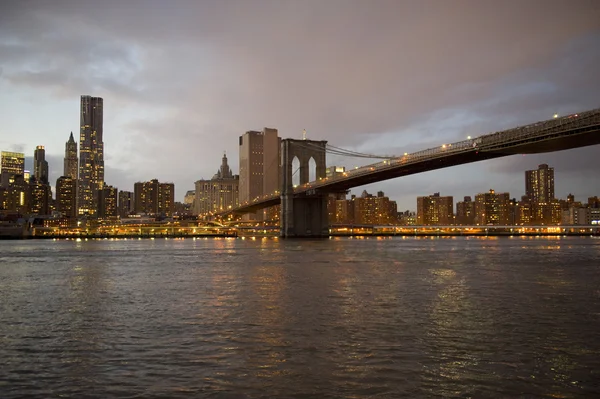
pixel 374 210
pixel 154 198
pixel 71 160
pixel 217 194
pixel 126 203
pixel 91 155
pixel 539 188
pixel 17 194
pixel 492 208
pixel 435 210
pixel 107 202
pixel 11 164
pixel 539 184
pixel 39 198
pixel 465 212
pixel 40 165
pixel 66 196
pixel 259 156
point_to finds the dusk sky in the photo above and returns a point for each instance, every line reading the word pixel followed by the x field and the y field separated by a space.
pixel 182 80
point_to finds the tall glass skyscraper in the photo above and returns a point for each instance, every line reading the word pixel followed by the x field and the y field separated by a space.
pixel 40 165
pixel 91 155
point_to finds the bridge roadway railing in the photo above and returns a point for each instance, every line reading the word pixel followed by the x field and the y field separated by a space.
pixel 482 143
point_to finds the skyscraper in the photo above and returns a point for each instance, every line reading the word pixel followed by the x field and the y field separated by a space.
pixel 218 194
pixel 539 184
pixel 259 165
pixel 40 165
pixel 107 202
pixel 91 155
pixel 66 196
pixel 126 203
pixel 70 163
pixel 11 164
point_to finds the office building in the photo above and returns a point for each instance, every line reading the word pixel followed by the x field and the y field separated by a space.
pixel 154 198
pixel 107 202
pixel 40 165
pixel 71 160
pixel 66 196
pixel 492 208
pixel 435 210
pixel 39 198
pixel 465 212
pixel 259 156
pixel 126 203
pixel 91 155
pixel 17 194
pixel 539 184
pixel 11 164
pixel 217 194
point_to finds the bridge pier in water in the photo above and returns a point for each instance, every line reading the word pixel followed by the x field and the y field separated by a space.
pixel 305 215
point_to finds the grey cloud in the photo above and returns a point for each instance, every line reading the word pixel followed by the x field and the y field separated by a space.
pixel 385 78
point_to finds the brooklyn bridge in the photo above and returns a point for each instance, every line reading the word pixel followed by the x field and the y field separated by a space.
pixel 304 205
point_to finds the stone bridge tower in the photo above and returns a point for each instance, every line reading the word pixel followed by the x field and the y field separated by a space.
pixel 304 215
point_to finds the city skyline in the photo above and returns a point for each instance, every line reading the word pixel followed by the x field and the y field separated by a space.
pixel 412 96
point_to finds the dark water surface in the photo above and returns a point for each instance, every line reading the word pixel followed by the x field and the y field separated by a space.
pixel 267 318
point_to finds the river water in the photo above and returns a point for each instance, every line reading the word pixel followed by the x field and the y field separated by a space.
pixel 268 318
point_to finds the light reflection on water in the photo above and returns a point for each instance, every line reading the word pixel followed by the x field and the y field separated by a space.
pixel 345 317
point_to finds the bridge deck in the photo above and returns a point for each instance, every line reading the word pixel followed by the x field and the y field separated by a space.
pixel 572 131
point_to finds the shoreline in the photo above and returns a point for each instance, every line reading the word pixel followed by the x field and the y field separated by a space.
pixel 333 235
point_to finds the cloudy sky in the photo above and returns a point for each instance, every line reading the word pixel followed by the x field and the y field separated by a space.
pixel 182 80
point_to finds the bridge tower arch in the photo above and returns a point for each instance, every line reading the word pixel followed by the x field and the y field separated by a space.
pixel 303 215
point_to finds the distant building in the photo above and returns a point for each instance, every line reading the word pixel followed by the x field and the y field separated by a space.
pixel 524 212
pixel 11 164
pixel 344 212
pixel 189 197
pixel 66 196
pixel 39 198
pixel 260 172
pixel 40 165
pixel 217 194
pixel 91 155
pixel 539 184
pixel 107 202
pixel 539 188
pixel 71 160
pixel 435 210
pixel 17 195
pixel 465 212
pixel 492 208
pixel 154 198
pixel 126 203
pixel 334 171
pixel 374 210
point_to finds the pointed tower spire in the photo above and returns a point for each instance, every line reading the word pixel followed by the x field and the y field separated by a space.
pixel 71 139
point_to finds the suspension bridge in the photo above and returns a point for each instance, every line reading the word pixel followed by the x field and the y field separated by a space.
pixel 304 205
